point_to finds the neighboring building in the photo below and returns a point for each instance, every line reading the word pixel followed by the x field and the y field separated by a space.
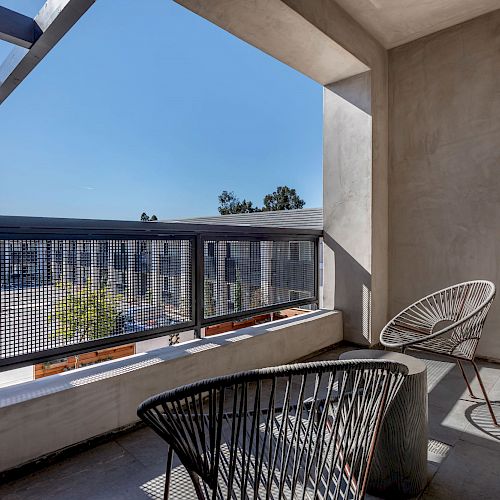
pixel 244 275
pixel 129 266
pixel 239 275
pixel 153 281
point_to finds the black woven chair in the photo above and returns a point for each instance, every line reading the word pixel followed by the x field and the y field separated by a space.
pixel 296 431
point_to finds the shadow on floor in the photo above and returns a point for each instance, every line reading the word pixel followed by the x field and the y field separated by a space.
pixel 464 450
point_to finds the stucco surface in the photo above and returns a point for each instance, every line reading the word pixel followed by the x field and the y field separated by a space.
pixel 445 165
pixel 395 22
pixel 347 187
pixel 65 409
pixel 358 273
pixel 275 28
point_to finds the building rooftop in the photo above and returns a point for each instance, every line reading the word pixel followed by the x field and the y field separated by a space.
pixel 305 218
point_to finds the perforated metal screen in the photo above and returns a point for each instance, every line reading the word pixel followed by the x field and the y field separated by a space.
pixel 61 292
pixel 241 276
pixel 67 293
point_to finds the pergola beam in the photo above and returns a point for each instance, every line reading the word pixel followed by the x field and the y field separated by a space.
pixel 54 20
pixel 17 28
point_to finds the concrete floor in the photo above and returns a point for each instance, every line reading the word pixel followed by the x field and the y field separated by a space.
pixel 463 459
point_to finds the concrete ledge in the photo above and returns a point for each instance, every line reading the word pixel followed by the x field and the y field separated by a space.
pixel 46 415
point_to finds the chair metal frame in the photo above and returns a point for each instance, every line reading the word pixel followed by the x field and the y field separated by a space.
pixel 310 432
pixel 464 307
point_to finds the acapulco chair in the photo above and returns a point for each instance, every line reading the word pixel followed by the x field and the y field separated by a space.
pixel 447 322
pixel 295 431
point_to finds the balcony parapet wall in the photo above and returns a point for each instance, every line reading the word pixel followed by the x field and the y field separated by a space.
pixel 44 416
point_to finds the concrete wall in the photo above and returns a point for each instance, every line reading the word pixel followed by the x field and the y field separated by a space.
pixel 355 177
pixel 347 189
pixel 445 165
pixel 49 414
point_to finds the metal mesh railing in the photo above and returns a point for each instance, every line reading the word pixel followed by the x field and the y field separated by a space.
pixel 61 292
pixel 245 275
pixel 69 290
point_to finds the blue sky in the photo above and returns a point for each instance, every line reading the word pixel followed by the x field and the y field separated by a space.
pixel 154 109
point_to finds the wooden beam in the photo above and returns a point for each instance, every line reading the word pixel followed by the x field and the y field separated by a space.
pixel 54 20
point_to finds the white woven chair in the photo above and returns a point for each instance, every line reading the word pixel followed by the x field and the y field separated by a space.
pixel 447 322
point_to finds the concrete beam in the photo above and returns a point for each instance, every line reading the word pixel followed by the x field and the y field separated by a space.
pixel 17 28
pixel 280 31
pixel 54 20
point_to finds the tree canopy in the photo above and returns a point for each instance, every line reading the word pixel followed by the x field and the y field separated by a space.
pixel 284 198
pixel 230 204
pixel 86 313
pixel 146 218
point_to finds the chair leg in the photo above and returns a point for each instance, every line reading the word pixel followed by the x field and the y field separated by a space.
pixel 465 378
pixel 197 486
pixel 484 393
pixel 168 470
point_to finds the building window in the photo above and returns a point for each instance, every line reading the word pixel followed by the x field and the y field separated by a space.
pixel 211 249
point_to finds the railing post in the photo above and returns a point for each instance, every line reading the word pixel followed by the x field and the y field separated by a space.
pixel 317 271
pixel 199 276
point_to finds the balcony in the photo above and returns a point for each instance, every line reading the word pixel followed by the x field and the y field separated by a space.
pixel 131 458
pixel 410 205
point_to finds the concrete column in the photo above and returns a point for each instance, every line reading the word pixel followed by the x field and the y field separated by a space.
pixel 355 206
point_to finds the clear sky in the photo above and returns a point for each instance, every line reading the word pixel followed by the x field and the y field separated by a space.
pixel 144 106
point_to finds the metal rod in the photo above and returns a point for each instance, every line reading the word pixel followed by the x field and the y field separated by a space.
pixel 198 284
pixel 490 408
pixel 465 378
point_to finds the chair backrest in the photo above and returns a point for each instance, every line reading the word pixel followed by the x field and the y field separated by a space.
pixel 295 431
pixel 460 310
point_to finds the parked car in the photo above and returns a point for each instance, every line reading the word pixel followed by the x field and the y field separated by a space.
pixel 139 318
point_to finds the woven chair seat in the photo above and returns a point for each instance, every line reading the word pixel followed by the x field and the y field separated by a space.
pixel 448 322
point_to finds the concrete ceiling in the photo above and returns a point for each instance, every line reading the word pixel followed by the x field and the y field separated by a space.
pixel 395 22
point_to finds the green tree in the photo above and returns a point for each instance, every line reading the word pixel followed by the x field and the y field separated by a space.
pixel 230 204
pixel 146 218
pixel 284 198
pixel 209 302
pixel 86 313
